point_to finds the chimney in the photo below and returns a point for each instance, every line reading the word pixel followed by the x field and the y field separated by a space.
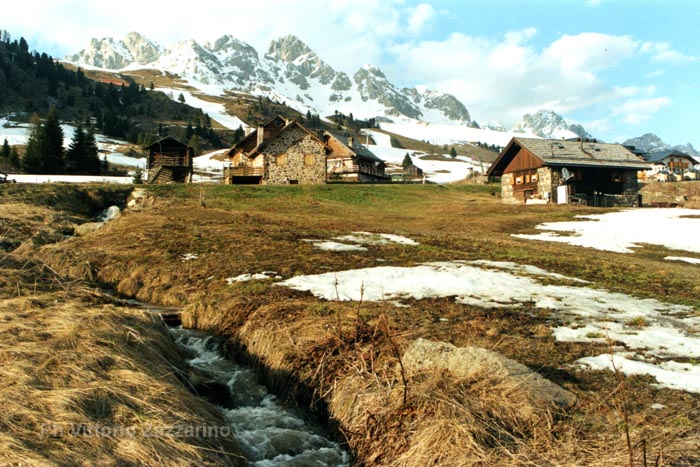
pixel 260 135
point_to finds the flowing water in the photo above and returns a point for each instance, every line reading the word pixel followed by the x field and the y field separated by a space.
pixel 269 433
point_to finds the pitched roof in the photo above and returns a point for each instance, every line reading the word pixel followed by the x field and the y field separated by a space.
pixel 661 155
pixel 359 149
pixel 570 153
pixel 271 130
pixel 163 140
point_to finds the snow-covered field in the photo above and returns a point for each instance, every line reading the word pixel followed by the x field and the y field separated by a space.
pixel 649 335
pixel 215 111
pixel 447 171
pixel 677 229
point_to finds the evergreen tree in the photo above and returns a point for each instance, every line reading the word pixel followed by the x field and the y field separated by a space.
pixel 5 152
pixel 14 158
pixel 196 145
pixel 406 161
pixel 53 143
pixel 453 152
pixel 181 98
pixel 33 160
pixel 92 155
pixel 76 152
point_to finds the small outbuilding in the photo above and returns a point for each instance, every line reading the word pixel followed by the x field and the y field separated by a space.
pixel 170 161
pixel 568 171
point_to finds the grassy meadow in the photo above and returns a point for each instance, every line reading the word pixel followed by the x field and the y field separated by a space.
pixel 343 359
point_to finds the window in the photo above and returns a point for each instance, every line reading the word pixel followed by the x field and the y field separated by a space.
pixel 281 159
pixel 309 159
pixel 616 177
pixel 518 180
pixel 533 178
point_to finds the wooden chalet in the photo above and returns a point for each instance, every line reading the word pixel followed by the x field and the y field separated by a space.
pixel 281 152
pixel 170 161
pixel 676 162
pixel 350 161
pixel 564 171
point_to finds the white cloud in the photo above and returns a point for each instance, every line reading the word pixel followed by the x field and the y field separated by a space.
pixel 635 111
pixel 419 17
pixel 661 52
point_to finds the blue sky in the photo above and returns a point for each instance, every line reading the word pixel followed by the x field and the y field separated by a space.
pixel 620 68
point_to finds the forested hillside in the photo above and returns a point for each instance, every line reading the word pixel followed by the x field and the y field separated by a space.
pixel 33 83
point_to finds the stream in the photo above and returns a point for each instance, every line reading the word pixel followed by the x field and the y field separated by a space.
pixel 269 433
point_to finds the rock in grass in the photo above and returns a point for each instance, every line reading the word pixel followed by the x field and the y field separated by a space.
pixel 471 362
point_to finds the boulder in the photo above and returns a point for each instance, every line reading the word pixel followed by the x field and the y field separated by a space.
pixel 84 229
pixel 470 362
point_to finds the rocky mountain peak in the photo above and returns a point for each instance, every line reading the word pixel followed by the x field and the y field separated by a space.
pixel 649 143
pixel 142 50
pixel 288 48
pixel 549 124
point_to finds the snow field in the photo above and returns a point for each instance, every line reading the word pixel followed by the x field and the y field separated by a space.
pixel 652 332
pixel 674 228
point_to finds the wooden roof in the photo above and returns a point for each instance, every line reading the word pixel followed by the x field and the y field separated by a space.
pixel 167 139
pixel 360 150
pixel 659 156
pixel 575 153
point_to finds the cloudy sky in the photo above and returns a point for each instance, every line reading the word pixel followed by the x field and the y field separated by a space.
pixel 621 68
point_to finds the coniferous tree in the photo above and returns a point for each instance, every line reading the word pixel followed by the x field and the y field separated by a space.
pixel 5 152
pixel 33 160
pixel 406 161
pixel 52 144
pixel 76 152
pixel 453 152
pixel 92 165
pixel 14 158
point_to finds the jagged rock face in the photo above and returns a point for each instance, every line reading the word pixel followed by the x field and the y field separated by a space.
pixel 374 85
pixel 142 50
pixel 448 104
pixel 108 53
pixel 650 143
pixel 289 70
pixel 548 124
pixel 103 53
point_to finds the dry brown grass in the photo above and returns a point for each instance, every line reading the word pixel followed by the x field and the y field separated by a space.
pixel 350 367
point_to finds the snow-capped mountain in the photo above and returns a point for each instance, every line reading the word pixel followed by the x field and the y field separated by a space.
pixel 649 143
pixel 548 124
pixel 289 72
pixel 114 55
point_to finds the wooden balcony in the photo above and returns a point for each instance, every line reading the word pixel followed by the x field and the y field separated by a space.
pixel 171 161
pixel 243 172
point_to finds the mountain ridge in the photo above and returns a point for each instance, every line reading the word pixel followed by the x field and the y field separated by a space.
pixel 288 71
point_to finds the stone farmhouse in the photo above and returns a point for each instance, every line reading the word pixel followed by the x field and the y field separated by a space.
pixel 280 152
pixel 568 171
pixel 350 161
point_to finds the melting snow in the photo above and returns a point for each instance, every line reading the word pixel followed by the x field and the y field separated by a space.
pixel 683 258
pixel 677 229
pixel 336 246
pixel 652 328
pixel 265 275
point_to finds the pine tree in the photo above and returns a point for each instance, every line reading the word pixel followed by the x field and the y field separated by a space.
pixel 14 158
pixel 453 152
pixel 33 160
pixel 406 161
pixel 92 166
pixel 53 143
pixel 76 152
pixel 5 152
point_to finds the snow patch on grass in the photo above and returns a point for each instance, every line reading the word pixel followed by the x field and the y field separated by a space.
pixel 653 329
pixel 683 258
pixel 621 231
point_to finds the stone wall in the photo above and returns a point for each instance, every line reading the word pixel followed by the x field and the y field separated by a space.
pixel 507 192
pixel 295 143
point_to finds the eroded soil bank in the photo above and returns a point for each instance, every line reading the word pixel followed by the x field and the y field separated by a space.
pixel 346 359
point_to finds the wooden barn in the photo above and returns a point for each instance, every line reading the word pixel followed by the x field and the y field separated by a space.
pixel 281 152
pixel 350 161
pixel 568 171
pixel 169 161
